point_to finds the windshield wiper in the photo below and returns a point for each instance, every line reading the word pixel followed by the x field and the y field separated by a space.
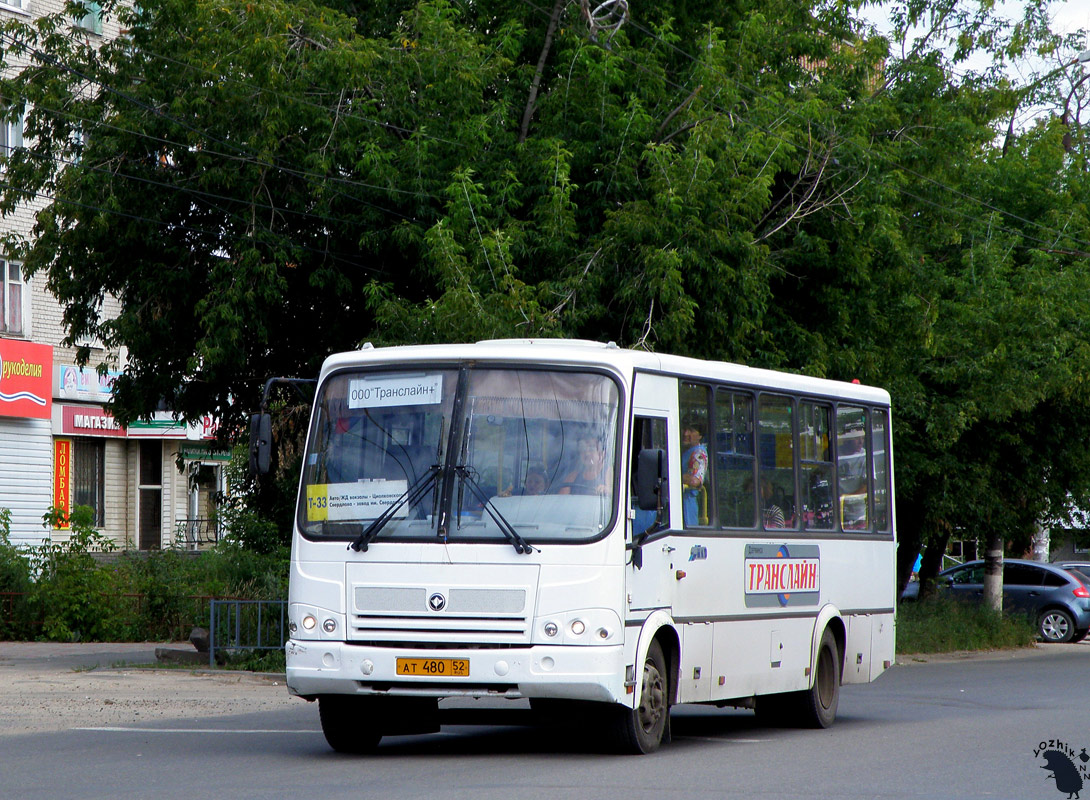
pixel 413 495
pixel 506 528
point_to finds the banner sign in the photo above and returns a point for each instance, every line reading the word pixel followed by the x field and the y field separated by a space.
pixel 62 479
pixel 84 383
pixel 26 380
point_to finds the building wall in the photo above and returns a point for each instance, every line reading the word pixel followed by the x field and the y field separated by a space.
pixel 27 455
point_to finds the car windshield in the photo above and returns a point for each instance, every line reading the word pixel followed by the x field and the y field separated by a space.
pixel 462 453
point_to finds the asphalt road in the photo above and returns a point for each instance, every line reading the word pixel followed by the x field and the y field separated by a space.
pixel 961 728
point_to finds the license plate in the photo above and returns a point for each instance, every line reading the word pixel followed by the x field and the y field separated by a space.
pixel 434 667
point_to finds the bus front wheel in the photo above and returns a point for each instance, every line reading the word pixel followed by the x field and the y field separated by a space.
pixel 349 723
pixel 642 729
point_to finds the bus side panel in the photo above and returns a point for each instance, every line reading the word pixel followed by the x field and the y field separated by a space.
pixel 857 649
pixel 760 656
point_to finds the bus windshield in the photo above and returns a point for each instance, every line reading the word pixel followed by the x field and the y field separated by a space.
pixel 459 454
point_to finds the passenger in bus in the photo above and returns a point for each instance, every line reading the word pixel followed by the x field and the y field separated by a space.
pixel 773 514
pixel 694 465
pixel 534 484
pixel 592 475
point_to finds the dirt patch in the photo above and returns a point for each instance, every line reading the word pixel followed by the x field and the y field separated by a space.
pixel 36 700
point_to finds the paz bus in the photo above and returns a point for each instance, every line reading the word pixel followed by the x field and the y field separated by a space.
pixel 602 532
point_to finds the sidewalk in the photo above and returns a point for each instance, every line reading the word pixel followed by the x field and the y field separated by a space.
pixel 65 656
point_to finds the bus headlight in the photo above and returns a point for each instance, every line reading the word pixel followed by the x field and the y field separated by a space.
pixel 577 627
pixel 329 625
pixel 309 622
pixel 551 629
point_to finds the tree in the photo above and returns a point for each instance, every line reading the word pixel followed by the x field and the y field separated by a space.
pixel 263 184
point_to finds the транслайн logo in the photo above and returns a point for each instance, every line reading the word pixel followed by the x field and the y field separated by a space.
pixel 1069 769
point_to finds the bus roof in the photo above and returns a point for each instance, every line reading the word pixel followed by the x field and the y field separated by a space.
pixel 582 352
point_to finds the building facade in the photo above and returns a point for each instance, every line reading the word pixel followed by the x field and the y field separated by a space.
pixel 152 485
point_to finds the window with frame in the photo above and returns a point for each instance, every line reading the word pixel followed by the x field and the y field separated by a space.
pixel 91 21
pixel 695 472
pixel 852 466
pixel 649 433
pixel 12 291
pixel 89 477
pixel 776 461
pixel 11 134
pixel 734 460
pixel 880 459
pixel 816 484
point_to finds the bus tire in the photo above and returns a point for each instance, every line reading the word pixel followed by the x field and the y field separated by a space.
pixel 642 729
pixel 818 704
pixel 347 724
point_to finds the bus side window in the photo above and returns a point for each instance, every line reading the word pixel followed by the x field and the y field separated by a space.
pixel 648 433
pixel 816 464
pixel 734 462
pixel 696 473
pixel 880 457
pixel 776 461
pixel 852 468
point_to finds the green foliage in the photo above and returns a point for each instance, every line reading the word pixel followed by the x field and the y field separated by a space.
pixel 67 578
pixel 943 625
pixel 265 183
pixel 17 609
pixel 75 590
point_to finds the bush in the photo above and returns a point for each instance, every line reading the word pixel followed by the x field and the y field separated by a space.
pixel 63 592
pixel 943 625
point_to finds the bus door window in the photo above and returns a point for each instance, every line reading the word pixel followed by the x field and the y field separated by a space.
pixel 880 458
pixel 695 474
pixel 648 433
pixel 776 461
pixel 852 468
pixel 734 462
pixel 816 467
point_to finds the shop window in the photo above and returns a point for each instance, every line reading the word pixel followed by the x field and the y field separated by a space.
pixel 89 477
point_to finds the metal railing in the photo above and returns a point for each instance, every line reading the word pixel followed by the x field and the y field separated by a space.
pixel 195 531
pixel 235 625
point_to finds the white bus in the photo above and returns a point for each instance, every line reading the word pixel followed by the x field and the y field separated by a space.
pixel 603 532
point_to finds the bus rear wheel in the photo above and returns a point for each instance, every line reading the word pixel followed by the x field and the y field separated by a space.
pixel 819 703
pixel 349 723
pixel 643 729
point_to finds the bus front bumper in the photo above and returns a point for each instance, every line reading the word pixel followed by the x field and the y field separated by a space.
pixel 569 672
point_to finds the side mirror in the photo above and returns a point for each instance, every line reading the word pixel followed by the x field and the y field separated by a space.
pixel 260 443
pixel 650 478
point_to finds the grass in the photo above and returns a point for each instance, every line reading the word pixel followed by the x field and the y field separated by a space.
pixel 943 625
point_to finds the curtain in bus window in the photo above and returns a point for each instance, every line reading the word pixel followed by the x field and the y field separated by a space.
pixel 816 465
pixel 851 466
pixel 776 461
pixel 880 457
pixel 734 462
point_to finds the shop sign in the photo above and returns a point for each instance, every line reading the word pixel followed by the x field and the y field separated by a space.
pixel 97 421
pixel 89 421
pixel 84 383
pixel 26 386
pixel 62 480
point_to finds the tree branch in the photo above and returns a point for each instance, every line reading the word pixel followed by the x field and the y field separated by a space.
pixel 531 102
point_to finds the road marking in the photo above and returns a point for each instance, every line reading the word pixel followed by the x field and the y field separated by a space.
pixel 195 730
pixel 721 740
